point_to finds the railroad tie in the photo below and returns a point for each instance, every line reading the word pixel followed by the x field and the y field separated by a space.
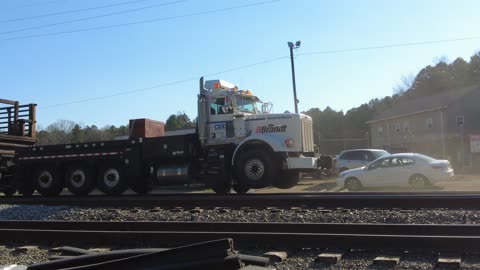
pixel 449 262
pixel 388 260
pixel 329 258
pixel 276 256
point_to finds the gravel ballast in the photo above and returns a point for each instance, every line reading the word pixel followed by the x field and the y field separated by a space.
pixel 298 259
pixel 420 216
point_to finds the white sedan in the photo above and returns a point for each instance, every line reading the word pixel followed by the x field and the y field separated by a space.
pixel 407 169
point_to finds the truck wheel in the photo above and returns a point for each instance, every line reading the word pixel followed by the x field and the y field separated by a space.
pixel 79 180
pixel 287 179
pixel 9 191
pixel 240 189
pixel 222 187
pixel 47 182
pixel 141 188
pixel 255 169
pixel 111 180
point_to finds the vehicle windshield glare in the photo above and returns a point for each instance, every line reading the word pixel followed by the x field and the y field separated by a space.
pixel 247 104
pixel 379 154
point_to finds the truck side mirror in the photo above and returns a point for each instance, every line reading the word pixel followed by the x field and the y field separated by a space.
pixel 267 107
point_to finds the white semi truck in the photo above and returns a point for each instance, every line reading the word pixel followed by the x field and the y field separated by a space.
pixel 237 144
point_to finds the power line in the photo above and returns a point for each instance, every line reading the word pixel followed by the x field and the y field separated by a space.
pixel 90 18
pixel 145 21
pixel 36 4
pixel 261 63
pixel 71 11
pixel 391 46
pixel 165 84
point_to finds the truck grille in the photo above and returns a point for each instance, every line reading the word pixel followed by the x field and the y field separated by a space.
pixel 307 135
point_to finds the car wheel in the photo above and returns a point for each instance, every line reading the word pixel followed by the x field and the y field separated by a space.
pixel 418 180
pixel 353 184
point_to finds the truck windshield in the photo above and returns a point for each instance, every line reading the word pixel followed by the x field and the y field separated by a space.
pixel 247 104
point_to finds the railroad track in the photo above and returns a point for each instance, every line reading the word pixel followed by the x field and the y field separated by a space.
pixel 291 235
pixel 404 200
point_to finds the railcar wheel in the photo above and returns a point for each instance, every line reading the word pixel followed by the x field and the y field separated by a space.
pixel 79 180
pixel 47 182
pixel 111 179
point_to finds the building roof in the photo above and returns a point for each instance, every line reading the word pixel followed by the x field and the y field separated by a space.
pixel 424 104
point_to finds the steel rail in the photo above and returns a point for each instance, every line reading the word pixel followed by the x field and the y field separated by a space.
pixel 364 236
pixel 279 227
pixel 404 200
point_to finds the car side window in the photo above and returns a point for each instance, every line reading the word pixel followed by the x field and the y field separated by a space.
pixel 396 162
pixel 407 161
pixel 370 156
pixel 383 163
pixel 357 155
pixel 348 156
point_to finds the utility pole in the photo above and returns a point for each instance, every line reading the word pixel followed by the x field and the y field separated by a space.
pixel 292 46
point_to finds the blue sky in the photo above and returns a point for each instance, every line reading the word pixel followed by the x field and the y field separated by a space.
pixel 59 69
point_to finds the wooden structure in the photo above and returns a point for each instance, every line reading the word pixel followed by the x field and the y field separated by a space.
pixel 17 125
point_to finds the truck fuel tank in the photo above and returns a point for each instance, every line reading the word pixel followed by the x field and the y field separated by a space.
pixel 173 175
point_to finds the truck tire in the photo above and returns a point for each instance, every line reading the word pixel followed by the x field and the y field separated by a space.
pixel 255 169
pixel 111 179
pixel 79 180
pixel 9 191
pixel 47 181
pixel 287 179
pixel 222 187
pixel 240 189
pixel 143 184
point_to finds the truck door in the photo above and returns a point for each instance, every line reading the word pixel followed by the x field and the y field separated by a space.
pixel 221 120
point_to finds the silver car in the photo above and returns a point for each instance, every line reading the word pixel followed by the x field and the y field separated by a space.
pixel 355 158
pixel 407 169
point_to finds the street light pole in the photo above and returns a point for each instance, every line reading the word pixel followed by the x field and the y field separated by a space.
pixel 291 46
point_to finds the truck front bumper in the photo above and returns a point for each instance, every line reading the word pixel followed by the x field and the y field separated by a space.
pixel 302 163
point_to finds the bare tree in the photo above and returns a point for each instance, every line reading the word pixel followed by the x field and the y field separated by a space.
pixel 406 82
pixel 441 59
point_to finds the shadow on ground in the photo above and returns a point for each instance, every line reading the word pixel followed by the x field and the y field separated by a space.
pixel 322 186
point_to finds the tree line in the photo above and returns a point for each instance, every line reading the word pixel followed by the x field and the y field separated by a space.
pixel 327 123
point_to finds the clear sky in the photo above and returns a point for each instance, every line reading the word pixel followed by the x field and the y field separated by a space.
pixel 187 39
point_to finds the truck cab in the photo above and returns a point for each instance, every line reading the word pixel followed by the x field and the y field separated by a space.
pixel 266 149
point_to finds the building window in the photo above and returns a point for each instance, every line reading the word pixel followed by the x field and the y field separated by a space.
pixel 460 121
pixel 429 123
pixel 380 131
pixel 397 127
pixel 406 127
